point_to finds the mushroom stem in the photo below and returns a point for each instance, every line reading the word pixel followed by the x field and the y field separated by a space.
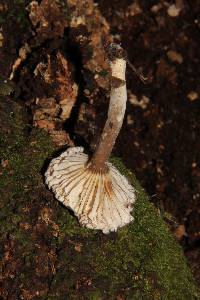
pixel 116 111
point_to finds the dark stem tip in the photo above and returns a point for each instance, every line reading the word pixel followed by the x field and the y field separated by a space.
pixel 115 51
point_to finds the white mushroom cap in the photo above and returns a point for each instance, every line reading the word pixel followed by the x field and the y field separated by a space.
pixel 100 200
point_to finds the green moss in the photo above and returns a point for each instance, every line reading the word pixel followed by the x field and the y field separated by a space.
pixel 6 87
pixel 16 12
pixel 103 73
pixel 139 261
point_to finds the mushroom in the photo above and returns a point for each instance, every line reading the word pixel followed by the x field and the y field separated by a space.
pixel 100 197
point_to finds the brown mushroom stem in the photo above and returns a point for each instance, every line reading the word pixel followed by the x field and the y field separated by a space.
pixel 117 106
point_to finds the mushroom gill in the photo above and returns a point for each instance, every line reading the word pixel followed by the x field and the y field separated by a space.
pixel 100 199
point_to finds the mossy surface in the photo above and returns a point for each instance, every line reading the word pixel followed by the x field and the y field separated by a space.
pixel 45 254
